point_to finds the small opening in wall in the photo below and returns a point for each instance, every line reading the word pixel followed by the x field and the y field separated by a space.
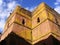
pixel 23 21
pixel 38 20
pixel 56 21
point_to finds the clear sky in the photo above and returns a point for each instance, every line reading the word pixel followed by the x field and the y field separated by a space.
pixel 7 6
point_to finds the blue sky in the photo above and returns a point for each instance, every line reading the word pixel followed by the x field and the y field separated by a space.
pixel 7 6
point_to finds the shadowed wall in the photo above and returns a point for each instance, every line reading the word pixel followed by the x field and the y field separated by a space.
pixel 13 39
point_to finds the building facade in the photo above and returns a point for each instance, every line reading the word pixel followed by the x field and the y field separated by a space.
pixel 40 27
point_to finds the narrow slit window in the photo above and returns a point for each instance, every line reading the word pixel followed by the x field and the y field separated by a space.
pixel 23 21
pixel 56 21
pixel 38 20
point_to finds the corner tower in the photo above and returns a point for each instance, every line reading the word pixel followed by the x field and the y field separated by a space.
pixel 18 22
pixel 45 22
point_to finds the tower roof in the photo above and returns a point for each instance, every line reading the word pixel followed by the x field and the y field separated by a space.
pixel 40 6
pixel 23 10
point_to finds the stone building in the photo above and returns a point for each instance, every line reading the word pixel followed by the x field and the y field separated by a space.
pixel 40 27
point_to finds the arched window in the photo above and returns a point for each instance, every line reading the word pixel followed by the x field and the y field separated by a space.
pixel 23 21
pixel 38 20
pixel 56 21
